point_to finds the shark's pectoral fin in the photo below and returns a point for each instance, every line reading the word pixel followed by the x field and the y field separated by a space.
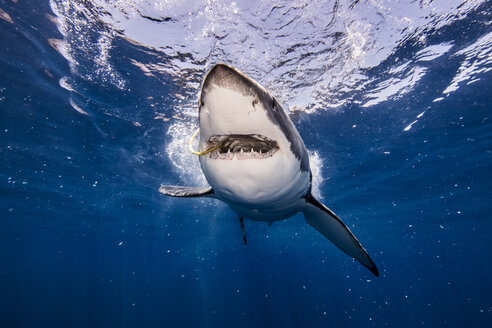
pixel 179 191
pixel 325 221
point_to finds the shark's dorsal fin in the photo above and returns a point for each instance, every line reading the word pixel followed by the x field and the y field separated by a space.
pixel 325 221
pixel 180 191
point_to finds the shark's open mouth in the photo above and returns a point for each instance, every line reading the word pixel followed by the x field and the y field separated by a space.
pixel 242 146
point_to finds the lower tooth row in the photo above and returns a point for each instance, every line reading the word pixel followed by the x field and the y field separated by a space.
pixel 230 154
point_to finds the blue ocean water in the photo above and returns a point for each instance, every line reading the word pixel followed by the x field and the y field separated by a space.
pixel 98 100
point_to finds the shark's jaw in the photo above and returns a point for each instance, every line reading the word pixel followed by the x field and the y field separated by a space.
pixel 242 146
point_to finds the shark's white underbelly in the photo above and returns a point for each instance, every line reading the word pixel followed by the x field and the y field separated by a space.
pixel 266 189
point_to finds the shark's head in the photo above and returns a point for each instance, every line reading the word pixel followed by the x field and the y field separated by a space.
pixel 243 120
pixel 258 157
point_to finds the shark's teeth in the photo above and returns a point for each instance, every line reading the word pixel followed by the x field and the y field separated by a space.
pixel 242 155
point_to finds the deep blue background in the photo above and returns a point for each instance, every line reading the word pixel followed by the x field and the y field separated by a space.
pixel 86 240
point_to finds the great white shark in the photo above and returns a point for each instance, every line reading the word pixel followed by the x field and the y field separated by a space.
pixel 255 160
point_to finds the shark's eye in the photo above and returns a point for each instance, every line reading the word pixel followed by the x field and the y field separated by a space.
pixel 255 101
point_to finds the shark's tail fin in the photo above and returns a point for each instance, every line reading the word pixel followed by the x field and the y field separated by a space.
pixel 325 221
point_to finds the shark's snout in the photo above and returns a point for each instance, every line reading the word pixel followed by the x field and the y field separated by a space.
pixel 224 76
pixel 227 77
